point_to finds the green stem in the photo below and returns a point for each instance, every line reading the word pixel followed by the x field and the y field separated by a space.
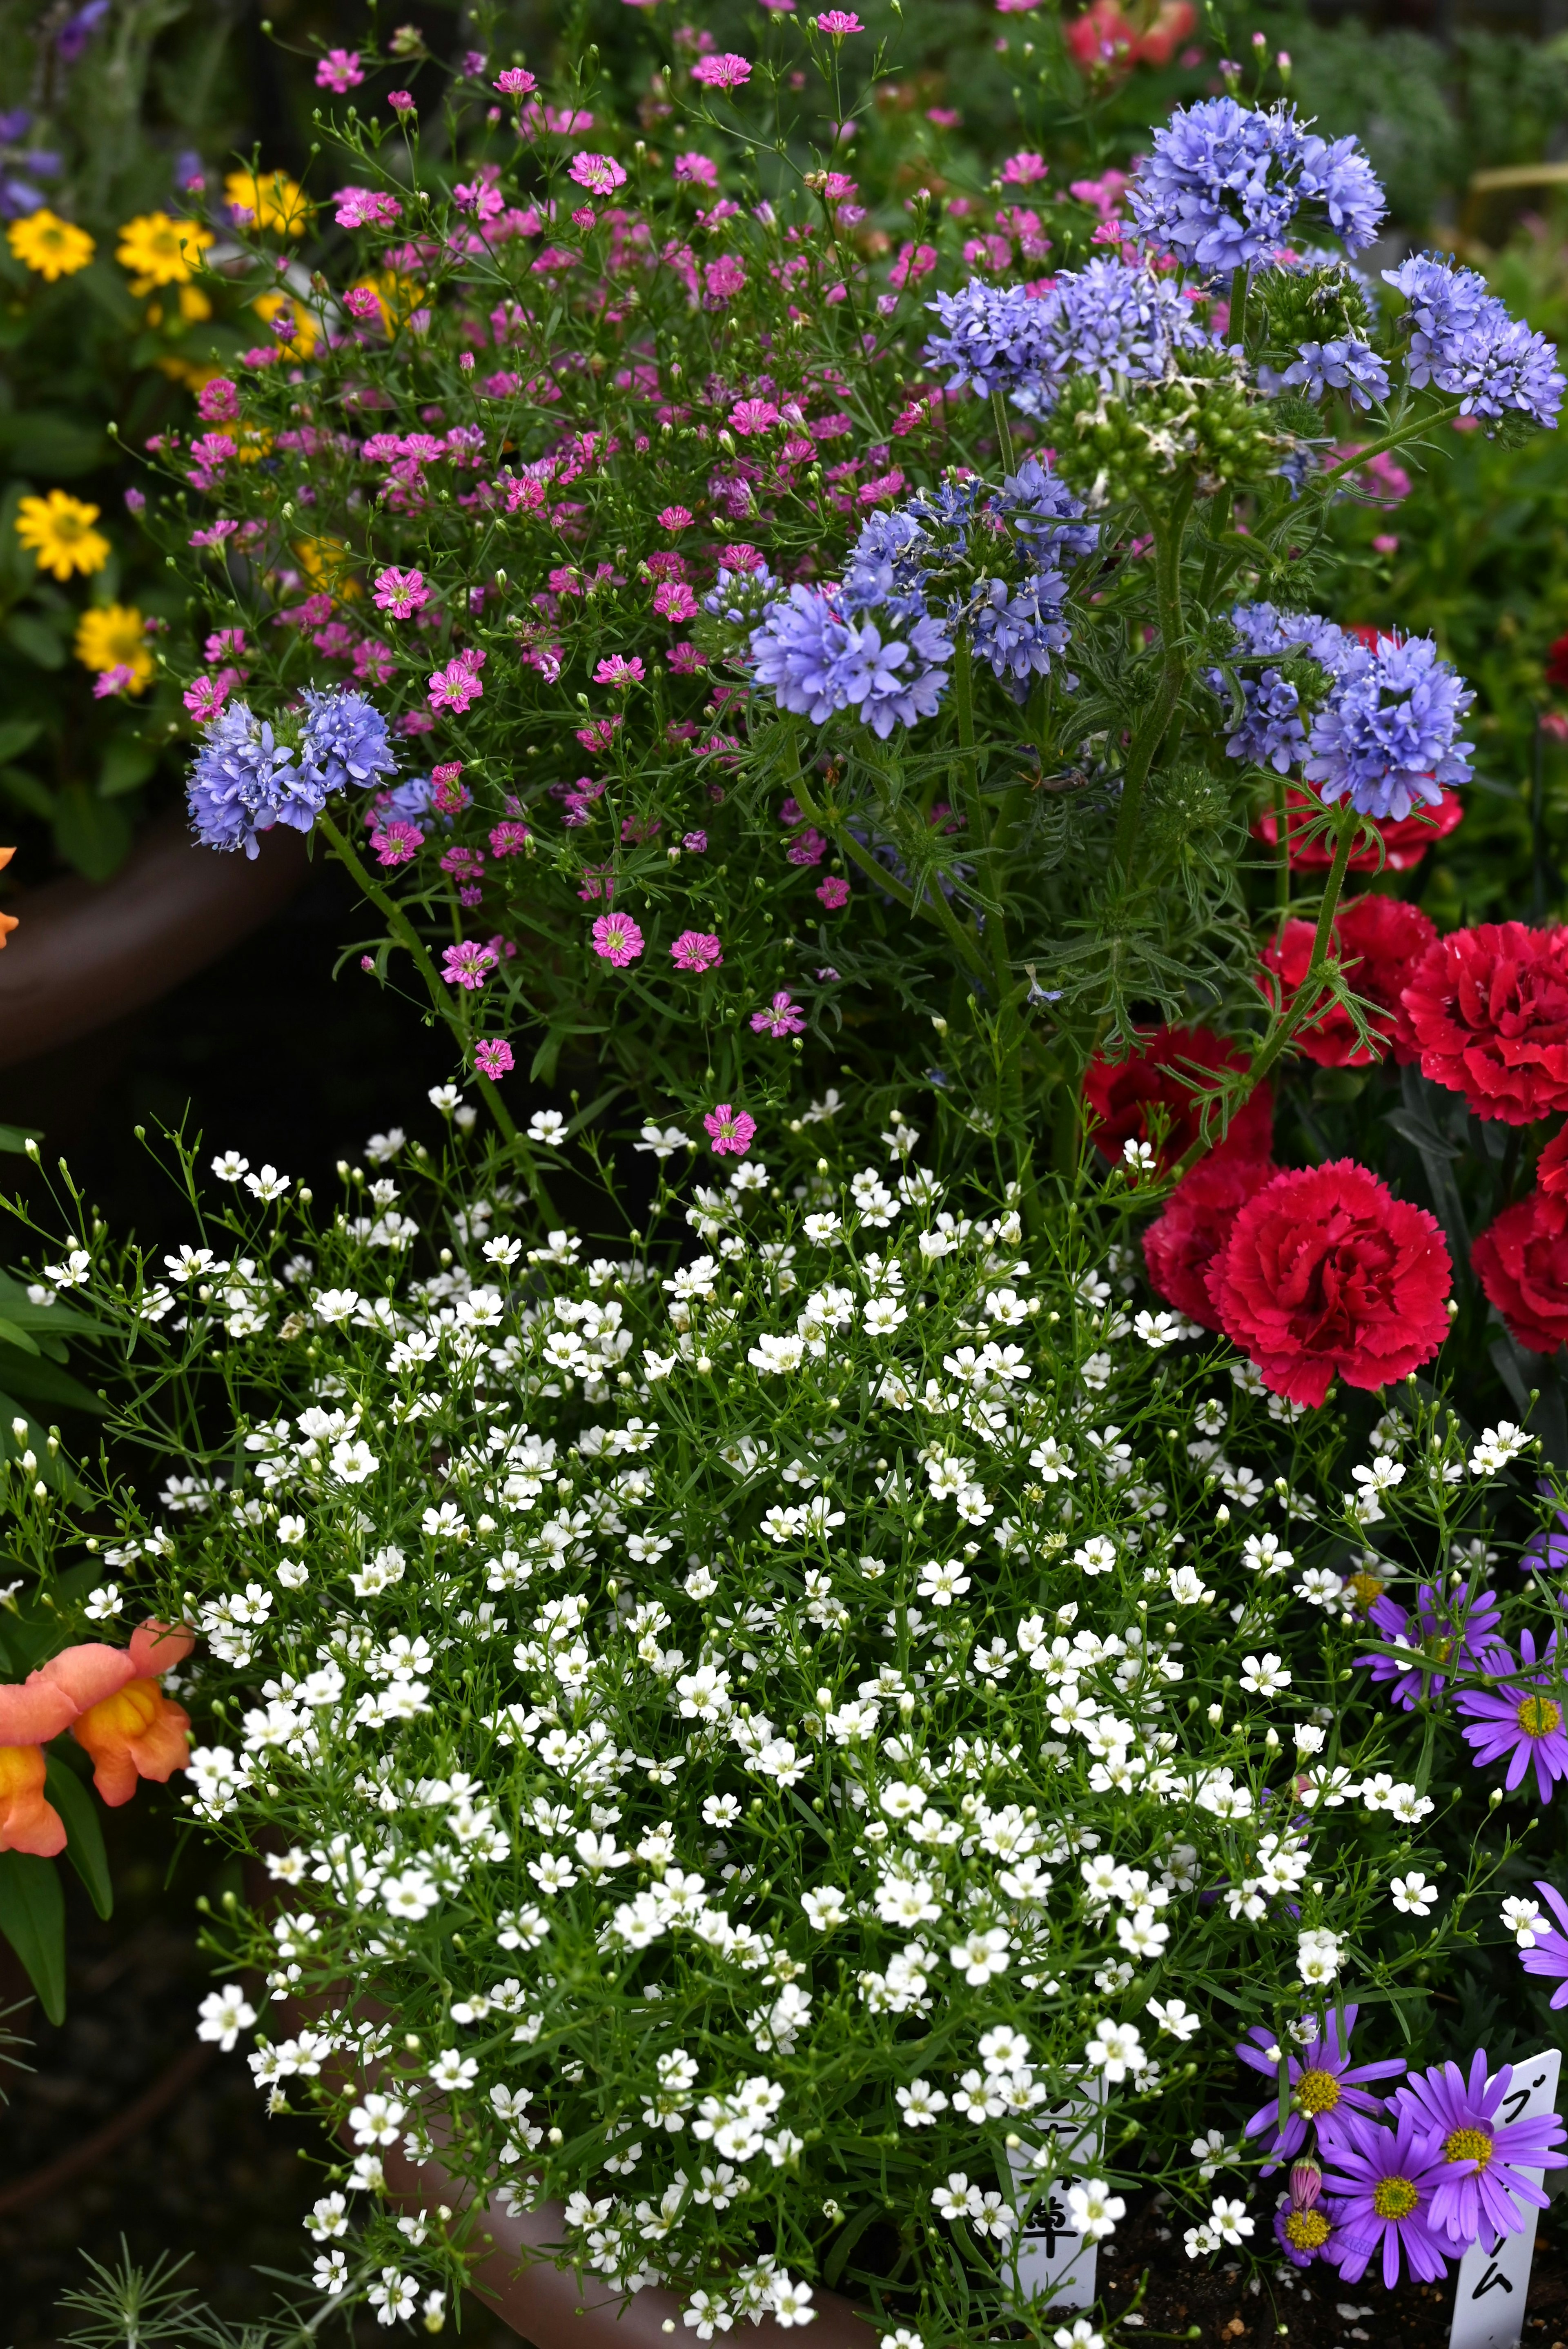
pixel 1004 432
pixel 932 902
pixel 1393 440
pixel 1305 1003
pixel 1236 325
pixel 403 930
pixel 1168 534
pixel 1282 854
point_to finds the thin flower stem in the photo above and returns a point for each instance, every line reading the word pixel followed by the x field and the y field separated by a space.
pixel 403 930
pixel 1305 1002
pixel 1282 855
pixel 1394 440
pixel 932 903
pixel 1004 430
pixel 1169 533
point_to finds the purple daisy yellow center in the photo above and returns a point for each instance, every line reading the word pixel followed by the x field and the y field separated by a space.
pixel 1469 2144
pixel 1393 2198
pixel 1538 1716
pixel 1307 2229
pixel 1317 2092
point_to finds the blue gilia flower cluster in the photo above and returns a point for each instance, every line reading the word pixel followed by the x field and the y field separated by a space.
pixel 1107 320
pixel 963 556
pixel 1387 734
pixel 1226 182
pixel 246 779
pixel 1463 341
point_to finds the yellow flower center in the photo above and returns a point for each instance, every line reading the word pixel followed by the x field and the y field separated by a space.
pixel 1307 2229
pixel 1538 1716
pixel 1469 2145
pixel 1364 1590
pixel 1393 2198
pixel 1317 2092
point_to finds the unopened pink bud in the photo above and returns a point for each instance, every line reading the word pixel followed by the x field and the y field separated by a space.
pixel 1306 2184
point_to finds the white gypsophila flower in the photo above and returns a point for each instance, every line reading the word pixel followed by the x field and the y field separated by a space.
pixel 1412 1894
pixel 1522 1918
pixel 1095 2210
pixel 1228 2221
pixel 1318 1955
pixel 1497 1446
pixel 225 2013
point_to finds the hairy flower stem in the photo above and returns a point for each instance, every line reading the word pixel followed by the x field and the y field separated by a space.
pixel 1395 440
pixel 1282 856
pixel 1004 432
pixel 1168 531
pixel 403 930
pixel 931 902
pixel 1306 1002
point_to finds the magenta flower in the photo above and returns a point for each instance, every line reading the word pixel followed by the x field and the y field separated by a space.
pixel 839 22
pixel 696 950
pixel 456 685
pixel 401 593
pixel 752 416
pixel 1380 2182
pixel 401 101
pixel 1324 2087
pixel 675 518
pixel 218 401
pixel 493 1059
pixel 616 670
pixel 1480 2161
pixel 1022 170
pixel 599 733
pixel 699 168
pixel 396 841
pixel 782 1018
pixel 695 843
pixel 725 72
pixel 112 682
pixel 516 81
pixel 509 839
pixel 833 892
pixel 341 70
pixel 366 208
pixel 724 277
pixel 617 939
pixel 809 849
pixel 674 600
pixel 469 964
pixel 205 695
pixel 600 174
pixel 731 1131
pixel 914 261
pixel 685 659
pixel 1549 1953
pixel 1520 1721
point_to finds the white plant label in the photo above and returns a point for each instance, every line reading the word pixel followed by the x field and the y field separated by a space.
pixel 1494 2276
pixel 1053 2257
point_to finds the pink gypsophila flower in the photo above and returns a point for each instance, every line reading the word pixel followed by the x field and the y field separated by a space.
pixel 725 72
pixel 695 843
pixel 617 939
pixel 809 849
pixel 1022 170
pixel 401 101
pixel 341 70
pixel 914 261
pixel 205 695
pixel 752 416
pixel 469 964
pixel 113 682
pixel 675 518
pixel 674 600
pixel 401 593
pixel 834 893
pixel 396 843
pixel 696 950
pixel 616 670
pixel 218 402
pixel 838 22
pixel 456 685
pixel 724 277
pixel 782 1018
pixel 492 1058
pixel 509 839
pixel 516 81
pixel 685 659
pixel 600 174
pixel 698 168
pixel 366 208
pixel 731 1131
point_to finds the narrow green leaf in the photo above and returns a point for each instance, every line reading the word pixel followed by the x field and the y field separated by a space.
pixel 85 1848
pixel 33 1920
pixel 11 1335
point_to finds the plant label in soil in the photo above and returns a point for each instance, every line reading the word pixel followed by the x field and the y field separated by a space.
pixel 1494 2276
pixel 1053 2257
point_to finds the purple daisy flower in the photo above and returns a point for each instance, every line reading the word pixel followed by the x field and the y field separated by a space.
pixel 1324 2086
pixel 1548 1553
pixel 1479 2161
pixel 1440 1636
pixel 1548 1955
pixel 1382 2181
pixel 1515 1720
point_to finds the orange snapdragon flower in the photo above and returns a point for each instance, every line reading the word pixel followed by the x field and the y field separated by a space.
pixel 110 1700
pixel 8 921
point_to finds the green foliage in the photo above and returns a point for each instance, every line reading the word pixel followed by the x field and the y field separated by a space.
pixel 33 1920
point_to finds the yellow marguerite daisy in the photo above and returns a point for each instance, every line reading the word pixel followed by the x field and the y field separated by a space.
pixel 160 251
pixel 272 201
pixel 109 636
pixel 59 530
pixel 307 326
pixel 50 245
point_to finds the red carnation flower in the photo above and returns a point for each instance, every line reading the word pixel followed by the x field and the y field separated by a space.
pixel 1378 939
pixel 1160 1077
pixel 1180 1244
pixel 1557 662
pixel 1522 1263
pixel 1488 1008
pixel 1551 1166
pixel 1327 1272
pixel 1406 839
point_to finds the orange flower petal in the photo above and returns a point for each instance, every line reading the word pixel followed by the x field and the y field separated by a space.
pixel 136 1733
pixel 28 1823
pixel 155 1648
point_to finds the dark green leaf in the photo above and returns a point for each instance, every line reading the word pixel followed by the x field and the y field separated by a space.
pixel 17 1137
pixel 91 834
pixel 10 1335
pixel 33 1920
pixel 16 735
pixel 36 641
pixel 85 1848
pixel 127 764
pixel 46 1382
pixel 38 442
pixel 25 790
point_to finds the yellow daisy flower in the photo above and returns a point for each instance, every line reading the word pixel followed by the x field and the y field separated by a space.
pixel 50 245
pixel 109 636
pixel 326 562
pixel 307 326
pixel 273 200
pixel 160 251
pixel 59 530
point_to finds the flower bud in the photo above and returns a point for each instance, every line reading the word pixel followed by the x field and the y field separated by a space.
pixel 1306 2183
